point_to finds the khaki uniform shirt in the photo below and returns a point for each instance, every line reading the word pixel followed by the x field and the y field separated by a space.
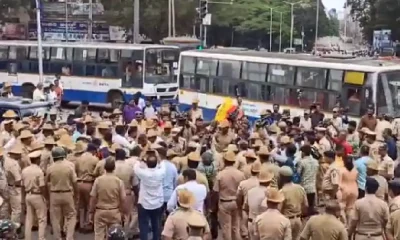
pixel 108 190
pixel 272 225
pixel 325 144
pixel 124 172
pixel 331 178
pixel 394 223
pixel 373 151
pixel 386 166
pixel 12 170
pixel 227 183
pixel 195 114
pixel 383 187
pixel 176 225
pixel 45 160
pixel 85 165
pixel 200 179
pixel 178 146
pixel 60 176
pixel 25 161
pixel 33 179
pixel 382 125
pixel 324 226
pixel 4 138
pixel 370 213
pixel 254 201
pixel 295 200
pixel 245 186
pixel 220 142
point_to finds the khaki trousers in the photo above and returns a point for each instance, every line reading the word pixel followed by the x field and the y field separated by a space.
pixel 35 206
pixel 84 189
pixel 297 227
pixel 228 217
pixel 62 207
pixel 104 219
pixel 244 231
pixel 15 204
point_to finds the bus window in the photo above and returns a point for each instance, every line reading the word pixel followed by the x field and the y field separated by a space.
pixel 126 54
pixel 3 58
pixel 229 69
pixel 335 79
pixel 207 67
pixel 281 74
pixel 311 77
pixel 114 55
pixel 58 53
pixel 254 71
pixel 18 53
pixel 103 55
pixel 79 54
pixel 33 53
pixel 187 71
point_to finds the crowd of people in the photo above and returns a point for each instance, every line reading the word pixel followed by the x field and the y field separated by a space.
pixel 142 171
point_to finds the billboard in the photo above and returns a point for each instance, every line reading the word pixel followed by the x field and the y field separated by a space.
pixel 59 31
pixel 13 31
pixel 382 39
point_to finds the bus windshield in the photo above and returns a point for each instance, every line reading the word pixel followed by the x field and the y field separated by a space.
pixel 389 100
pixel 161 65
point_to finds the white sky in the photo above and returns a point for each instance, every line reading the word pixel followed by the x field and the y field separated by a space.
pixel 338 4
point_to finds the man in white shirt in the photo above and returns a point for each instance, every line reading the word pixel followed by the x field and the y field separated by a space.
pixel 151 195
pixel 119 138
pixel 199 191
pixel 38 93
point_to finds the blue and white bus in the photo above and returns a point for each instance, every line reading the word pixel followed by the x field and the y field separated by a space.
pixel 97 72
pixel 294 81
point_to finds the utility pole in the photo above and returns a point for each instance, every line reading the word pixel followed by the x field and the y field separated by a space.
pixel 203 10
pixel 66 20
pixel 91 20
pixel 169 18
pixel 317 23
pixel 136 21
pixel 39 37
pixel 280 32
pixel 270 31
pixel 292 20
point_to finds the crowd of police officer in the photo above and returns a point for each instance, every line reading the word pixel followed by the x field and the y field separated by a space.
pixel 301 177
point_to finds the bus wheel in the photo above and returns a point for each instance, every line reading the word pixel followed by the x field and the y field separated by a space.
pixel 116 99
pixel 27 90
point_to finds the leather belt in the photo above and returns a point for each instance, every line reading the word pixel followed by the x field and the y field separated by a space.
pixel 11 185
pixel 250 220
pixel 370 234
pixel 61 191
pixel 107 208
pixel 34 193
pixel 295 216
pixel 226 200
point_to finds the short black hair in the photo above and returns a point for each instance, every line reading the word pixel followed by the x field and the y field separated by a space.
pixel 364 150
pixel 329 154
pixel 109 164
pixel 371 185
pixel 306 149
pixel 120 154
pixel 190 174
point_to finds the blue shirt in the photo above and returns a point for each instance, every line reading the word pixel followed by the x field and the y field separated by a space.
pixel 361 166
pixel 75 136
pixel 170 179
pixel 392 149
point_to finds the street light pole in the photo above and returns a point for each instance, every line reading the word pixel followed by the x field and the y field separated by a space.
pixel 136 23
pixel 292 20
pixel 280 32
pixel 317 22
pixel 39 36
pixel 270 32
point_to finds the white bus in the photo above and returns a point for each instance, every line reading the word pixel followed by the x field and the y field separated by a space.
pixel 96 72
pixel 293 81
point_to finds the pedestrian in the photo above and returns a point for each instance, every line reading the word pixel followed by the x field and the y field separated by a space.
pixel 151 195
pixel 370 216
pixel 361 166
pixel 36 196
pixel 107 200
pixel 272 224
pixel 62 184
pixel 348 188
pixel 224 192
pixel 372 172
pixel 325 225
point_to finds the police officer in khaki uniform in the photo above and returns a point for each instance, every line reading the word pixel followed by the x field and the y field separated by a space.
pixel 370 215
pixel 254 203
pixel 267 165
pixel 107 201
pixel 26 139
pixel 223 137
pixel 84 168
pixel 176 142
pixel 272 224
pixel 295 204
pixel 35 196
pixel 195 112
pixel 372 172
pixel 250 157
pixel 7 132
pixel 45 159
pixel 13 173
pixel 61 179
pixel 197 227
pixel 4 213
pixel 322 140
pixel 331 180
pixel 326 225
pixel 225 188
pixel 393 227
pixel 176 226
pixel 386 163
pixel 241 195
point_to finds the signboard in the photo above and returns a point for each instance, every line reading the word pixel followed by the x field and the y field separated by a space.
pixel 207 19
pixel 75 31
pixel 101 32
pixel 297 41
pixel 382 39
pixel 117 33
pixel 13 31
pixel 84 8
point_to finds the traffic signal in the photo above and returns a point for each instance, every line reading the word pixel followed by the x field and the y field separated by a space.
pixel 203 8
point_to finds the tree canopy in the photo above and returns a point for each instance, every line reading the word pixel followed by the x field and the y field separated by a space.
pixel 243 17
pixel 376 15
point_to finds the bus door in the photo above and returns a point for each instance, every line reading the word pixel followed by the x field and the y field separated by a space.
pixel 357 92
